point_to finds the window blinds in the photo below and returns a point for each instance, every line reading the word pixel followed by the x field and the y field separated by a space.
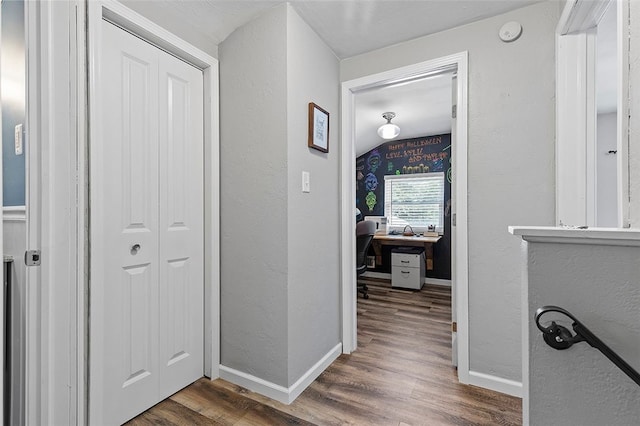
pixel 416 200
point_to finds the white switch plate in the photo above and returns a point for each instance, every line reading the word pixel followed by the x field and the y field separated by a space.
pixel 18 139
pixel 306 182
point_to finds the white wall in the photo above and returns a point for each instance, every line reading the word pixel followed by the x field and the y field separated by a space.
pixel 314 257
pixel 280 253
pixel 606 171
pixel 254 199
pixel 598 284
pixel 511 131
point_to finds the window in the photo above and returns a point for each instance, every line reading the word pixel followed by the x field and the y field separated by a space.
pixel 416 200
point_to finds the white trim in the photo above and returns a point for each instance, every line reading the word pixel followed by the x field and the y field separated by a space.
pixel 623 114
pixel 255 384
pixel 38 29
pixel 2 301
pixel 277 392
pixel 572 127
pixel 459 63
pixel 81 149
pixel 13 213
pixel 596 236
pixel 578 16
pixel 576 144
pixel 437 281
pixel 120 15
pixel 427 280
pixel 591 130
pixel 495 383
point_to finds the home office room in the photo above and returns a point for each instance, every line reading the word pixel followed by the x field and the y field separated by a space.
pixel 403 176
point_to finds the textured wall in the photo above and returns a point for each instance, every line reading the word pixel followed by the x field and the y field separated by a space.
pixel 599 285
pixel 511 132
pixel 253 198
pixel 313 246
pixel 280 294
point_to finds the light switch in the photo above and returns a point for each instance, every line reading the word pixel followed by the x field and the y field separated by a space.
pixel 18 139
pixel 306 182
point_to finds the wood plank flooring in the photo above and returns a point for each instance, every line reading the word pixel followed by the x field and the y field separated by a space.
pixel 400 375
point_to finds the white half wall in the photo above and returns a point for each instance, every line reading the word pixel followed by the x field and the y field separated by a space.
pixel 593 274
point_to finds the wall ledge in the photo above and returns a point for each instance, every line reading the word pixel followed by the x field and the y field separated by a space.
pixel 590 236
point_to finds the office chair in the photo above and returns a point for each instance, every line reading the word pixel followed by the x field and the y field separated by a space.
pixel 364 235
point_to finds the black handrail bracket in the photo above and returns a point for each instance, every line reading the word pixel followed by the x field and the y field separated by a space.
pixel 561 338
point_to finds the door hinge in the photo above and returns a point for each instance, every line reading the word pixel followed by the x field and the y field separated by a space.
pixel 32 258
pixel 453 219
pixel 454 327
pixel 454 111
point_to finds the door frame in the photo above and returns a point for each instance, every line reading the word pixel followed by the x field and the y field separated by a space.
pixel 576 189
pixel 460 275
pixel 134 23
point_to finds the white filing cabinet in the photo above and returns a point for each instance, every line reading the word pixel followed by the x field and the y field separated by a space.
pixel 407 268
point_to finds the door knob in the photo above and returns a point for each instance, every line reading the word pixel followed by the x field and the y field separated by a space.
pixel 135 249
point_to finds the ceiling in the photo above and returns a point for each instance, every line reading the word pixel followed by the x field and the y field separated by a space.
pixel 349 27
pixel 422 107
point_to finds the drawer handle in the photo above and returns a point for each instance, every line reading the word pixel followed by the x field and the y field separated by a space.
pixel 405 261
pixel 405 272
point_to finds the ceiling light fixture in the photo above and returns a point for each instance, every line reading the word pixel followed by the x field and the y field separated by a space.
pixel 388 130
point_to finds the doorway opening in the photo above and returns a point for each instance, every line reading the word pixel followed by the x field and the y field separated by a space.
pixel 454 64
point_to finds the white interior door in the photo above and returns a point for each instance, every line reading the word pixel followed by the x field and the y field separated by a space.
pixel 146 237
pixel 181 224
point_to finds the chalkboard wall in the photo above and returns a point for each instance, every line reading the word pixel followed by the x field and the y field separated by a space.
pixel 407 156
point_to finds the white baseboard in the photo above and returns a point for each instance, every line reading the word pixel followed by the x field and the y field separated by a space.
pixel 498 384
pixel 437 281
pixel 277 392
pixel 427 280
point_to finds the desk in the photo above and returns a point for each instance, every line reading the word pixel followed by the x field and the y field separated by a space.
pixel 380 240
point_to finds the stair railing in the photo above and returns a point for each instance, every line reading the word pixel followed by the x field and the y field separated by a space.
pixel 560 338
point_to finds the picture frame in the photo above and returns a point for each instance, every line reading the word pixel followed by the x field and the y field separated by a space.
pixel 318 128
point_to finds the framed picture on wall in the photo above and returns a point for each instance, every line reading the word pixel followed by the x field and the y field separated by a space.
pixel 318 128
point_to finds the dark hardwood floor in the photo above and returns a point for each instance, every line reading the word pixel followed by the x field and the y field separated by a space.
pixel 401 374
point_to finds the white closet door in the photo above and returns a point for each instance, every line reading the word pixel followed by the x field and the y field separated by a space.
pixel 146 282
pixel 181 224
